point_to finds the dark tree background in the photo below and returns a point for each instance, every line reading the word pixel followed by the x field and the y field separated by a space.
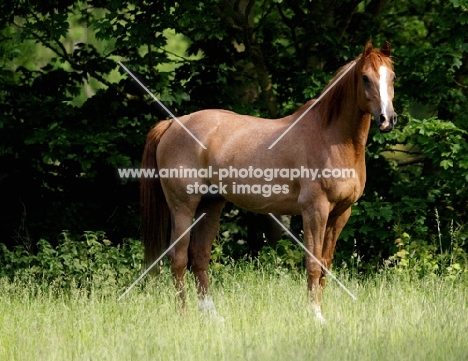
pixel 69 116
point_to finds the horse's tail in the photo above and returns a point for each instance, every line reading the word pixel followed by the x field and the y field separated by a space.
pixel 155 216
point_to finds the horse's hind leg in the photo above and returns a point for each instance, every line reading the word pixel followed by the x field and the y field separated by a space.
pixel 204 234
pixel 181 220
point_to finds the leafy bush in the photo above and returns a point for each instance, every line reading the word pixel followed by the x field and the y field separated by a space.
pixel 85 261
pixel 286 255
pixel 231 241
pixel 420 191
pixel 431 259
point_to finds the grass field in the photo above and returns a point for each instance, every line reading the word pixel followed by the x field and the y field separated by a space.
pixel 394 318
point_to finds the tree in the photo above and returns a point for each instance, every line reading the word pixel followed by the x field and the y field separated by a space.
pixel 60 149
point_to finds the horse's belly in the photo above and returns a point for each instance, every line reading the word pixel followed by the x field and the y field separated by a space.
pixel 264 199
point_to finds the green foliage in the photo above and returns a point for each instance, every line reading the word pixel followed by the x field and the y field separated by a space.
pixel 410 218
pixel 394 318
pixel 407 194
pixel 69 116
pixel 427 259
pixel 231 244
pixel 286 256
pixel 83 262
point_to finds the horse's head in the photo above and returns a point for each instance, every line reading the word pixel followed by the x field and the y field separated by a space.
pixel 377 77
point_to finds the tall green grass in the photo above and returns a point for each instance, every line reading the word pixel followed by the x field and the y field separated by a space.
pixel 396 317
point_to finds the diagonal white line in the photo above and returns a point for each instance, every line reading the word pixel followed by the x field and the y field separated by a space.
pixel 315 258
pixel 353 63
pixel 161 104
pixel 160 257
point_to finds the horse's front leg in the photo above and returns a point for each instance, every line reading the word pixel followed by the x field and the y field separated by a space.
pixel 314 223
pixel 335 225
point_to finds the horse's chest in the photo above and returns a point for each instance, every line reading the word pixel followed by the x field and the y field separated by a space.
pixel 345 191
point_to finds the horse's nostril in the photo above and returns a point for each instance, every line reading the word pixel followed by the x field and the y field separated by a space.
pixel 395 119
pixel 382 119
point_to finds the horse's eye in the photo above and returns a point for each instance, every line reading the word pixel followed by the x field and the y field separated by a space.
pixel 365 79
pixel 394 77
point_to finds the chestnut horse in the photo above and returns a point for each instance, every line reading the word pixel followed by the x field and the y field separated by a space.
pixel 331 134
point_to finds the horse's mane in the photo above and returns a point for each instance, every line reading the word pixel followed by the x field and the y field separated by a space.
pixel 330 101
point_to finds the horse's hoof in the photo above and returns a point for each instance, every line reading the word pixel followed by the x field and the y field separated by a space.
pixel 207 309
pixel 321 319
pixel 318 314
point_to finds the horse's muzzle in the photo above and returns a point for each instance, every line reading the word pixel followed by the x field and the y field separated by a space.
pixel 385 123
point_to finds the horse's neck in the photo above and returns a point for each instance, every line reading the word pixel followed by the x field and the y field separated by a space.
pixel 350 129
pixel 358 132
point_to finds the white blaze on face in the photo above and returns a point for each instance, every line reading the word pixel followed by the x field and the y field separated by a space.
pixel 383 88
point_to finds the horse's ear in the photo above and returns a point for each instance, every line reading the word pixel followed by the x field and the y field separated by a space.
pixel 386 49
pixel 368 48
